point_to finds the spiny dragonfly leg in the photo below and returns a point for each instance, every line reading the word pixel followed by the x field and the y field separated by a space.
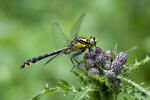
pixel 73 58
pixel 51 58
pixel 91 49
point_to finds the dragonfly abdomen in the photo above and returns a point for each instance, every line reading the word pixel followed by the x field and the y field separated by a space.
pixel 34 60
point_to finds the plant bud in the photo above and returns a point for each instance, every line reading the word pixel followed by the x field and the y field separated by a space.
pixel 93 71
pixel 109 53
pixel 98 50
pixel 122 56
pixel 107 66
pixel 90 62
pixel 117 83
pixel 116 65
pixel 110 74
pixel 89 54
pixel 101 59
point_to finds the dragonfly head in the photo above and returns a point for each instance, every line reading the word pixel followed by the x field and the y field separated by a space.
pixel 93 41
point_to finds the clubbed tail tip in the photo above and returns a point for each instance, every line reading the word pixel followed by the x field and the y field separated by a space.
pixel 22 66
pixel 26 64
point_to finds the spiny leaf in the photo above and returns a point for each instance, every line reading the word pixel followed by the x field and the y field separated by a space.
pixel 80 78
pixel 135 85
pixel 83 92
pixel 131 52
pixel 44 92
pixel 137 64
pixel 63 87
pixel 129 61
pixel 105 76
pixel 64 82
pixel 96 77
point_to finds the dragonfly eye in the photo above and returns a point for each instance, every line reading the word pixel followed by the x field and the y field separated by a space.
pixel 93 40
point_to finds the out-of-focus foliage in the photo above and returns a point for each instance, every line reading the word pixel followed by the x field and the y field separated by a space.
pixel 25 33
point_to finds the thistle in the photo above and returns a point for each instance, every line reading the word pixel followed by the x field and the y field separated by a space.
pixel 102 75
pixel 109 62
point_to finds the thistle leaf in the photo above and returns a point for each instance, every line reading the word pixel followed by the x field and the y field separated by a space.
pixel 136 65
pixel 96 77
pixel 44 92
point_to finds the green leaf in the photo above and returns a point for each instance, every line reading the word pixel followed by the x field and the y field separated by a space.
pixel 75 73
pixel 43 93
pixel 132 53
pixel 83 92
pixel 140 88
pixel 63 87
pixel 80 77
pixel 105 76
pixel 64 82
pixel 115 48
pixel 129 61
pixel 96 77
pixel 137 64
pixel 84 62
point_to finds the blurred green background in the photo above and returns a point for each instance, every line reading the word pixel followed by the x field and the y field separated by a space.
pixel 25 32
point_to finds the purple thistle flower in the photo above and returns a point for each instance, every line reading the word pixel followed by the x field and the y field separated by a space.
pixel 93 71
pixel 109 53
pixel 110 74
pixel 107 66
pixel 122 56
pixel 89 54
pixel 90 62
pixel 116 83
pixel 116 65
pixel 98 51
pixel 101 59
pixel 111 64
pixel 86 55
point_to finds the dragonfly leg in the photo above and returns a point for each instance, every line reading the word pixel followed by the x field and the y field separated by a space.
pixel 90 49
pixel 51 58
pixel 73 58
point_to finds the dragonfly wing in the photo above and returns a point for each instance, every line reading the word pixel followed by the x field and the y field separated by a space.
pixel 58 36
pixel 76 27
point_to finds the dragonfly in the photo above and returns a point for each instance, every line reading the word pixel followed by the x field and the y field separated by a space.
pixel 77 45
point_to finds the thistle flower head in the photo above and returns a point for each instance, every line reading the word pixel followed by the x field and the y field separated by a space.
pixel 89 54
pixel 116 65
pixel 109 53
pixel 112 64
pixel 110 74
pixel 101 59
pixel 122 56
pixel 107 66
pixel 90 62
pixel 98 51
pixel 93 71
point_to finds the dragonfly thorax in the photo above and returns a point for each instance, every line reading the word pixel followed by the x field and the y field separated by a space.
pixel 80 43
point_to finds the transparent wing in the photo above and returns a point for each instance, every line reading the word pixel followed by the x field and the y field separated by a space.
pixel 58 36
pixel 76 27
